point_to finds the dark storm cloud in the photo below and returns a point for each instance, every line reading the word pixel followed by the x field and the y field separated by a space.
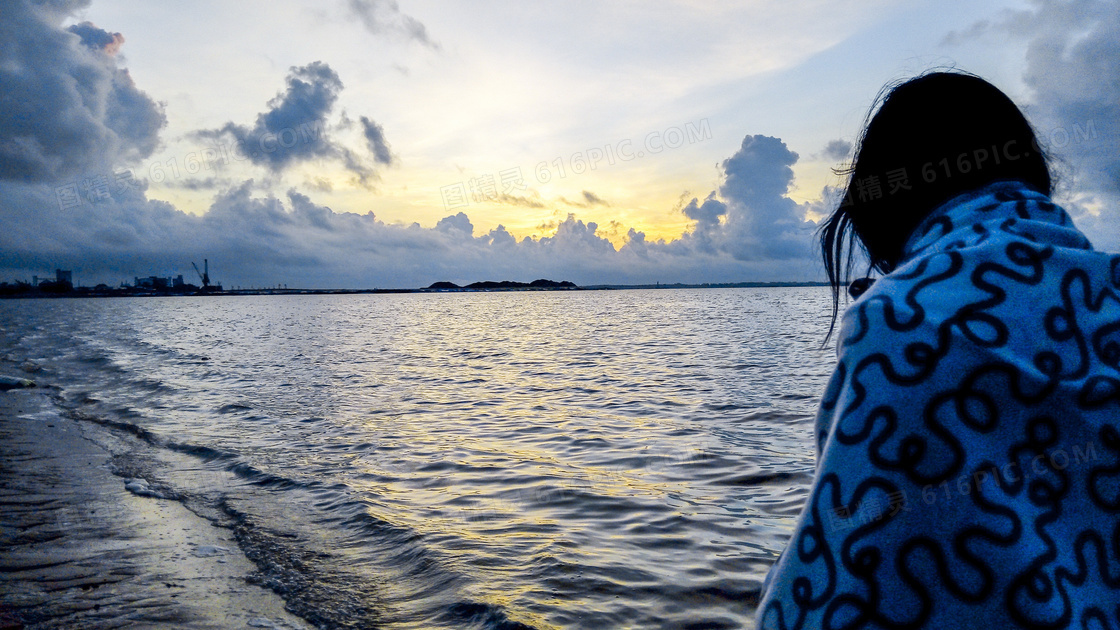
pixel 296 127
pixel 381 16
pixel 66 107
pixel 375 139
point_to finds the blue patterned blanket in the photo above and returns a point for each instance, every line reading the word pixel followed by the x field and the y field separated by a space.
pixel 968 469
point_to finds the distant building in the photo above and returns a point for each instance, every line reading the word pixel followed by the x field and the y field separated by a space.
pixel 178 281
pixel 153 282
pixel 63 276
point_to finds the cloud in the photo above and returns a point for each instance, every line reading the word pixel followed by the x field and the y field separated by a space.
pixel 974 31
pixel 208 183
pixel 97 39
pixel 761 221
pixel 837 150
pixel 381 16
pixel 525 202
pixel 456 224
pixel 296 127
pixel 375 139
pixel 707 213
pixel 1073 72
pixel 253 238
pixel 590 199
pixel 760 172
pixel 67 107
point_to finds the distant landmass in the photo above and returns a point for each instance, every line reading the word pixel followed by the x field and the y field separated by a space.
pixel 153 286
pixel 504 285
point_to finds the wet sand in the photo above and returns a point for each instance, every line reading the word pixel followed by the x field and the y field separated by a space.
pixel 80 551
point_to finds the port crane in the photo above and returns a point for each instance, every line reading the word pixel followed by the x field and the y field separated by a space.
pixel 204 275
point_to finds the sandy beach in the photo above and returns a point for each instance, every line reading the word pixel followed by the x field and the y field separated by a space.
pixel 79 550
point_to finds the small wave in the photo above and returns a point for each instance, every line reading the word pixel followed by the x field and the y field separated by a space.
pixel 760 479
pixel 774 416
pixel 242 469
pixel 233 408
pixel 312 583
pixel 205 453
pixel 96 360
pixel 257 477
pixel 127 427
pixel 727 406
pixel 472 615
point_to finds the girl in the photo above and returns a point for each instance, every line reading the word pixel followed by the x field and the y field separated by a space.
pixel 968 471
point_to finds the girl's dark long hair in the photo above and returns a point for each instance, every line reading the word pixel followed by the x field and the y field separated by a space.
pixel 928 140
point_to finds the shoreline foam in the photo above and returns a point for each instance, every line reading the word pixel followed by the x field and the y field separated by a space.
pixel 80 550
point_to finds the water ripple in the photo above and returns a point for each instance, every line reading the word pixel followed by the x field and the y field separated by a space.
pixel 497 460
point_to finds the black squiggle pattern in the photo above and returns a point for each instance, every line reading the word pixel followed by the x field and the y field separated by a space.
pixel 969 439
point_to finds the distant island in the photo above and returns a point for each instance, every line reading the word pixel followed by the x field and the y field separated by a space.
pixel 504 285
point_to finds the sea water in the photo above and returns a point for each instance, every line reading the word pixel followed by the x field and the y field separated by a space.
pixel 576 459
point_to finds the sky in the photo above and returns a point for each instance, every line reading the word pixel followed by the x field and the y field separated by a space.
pixel 374 143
